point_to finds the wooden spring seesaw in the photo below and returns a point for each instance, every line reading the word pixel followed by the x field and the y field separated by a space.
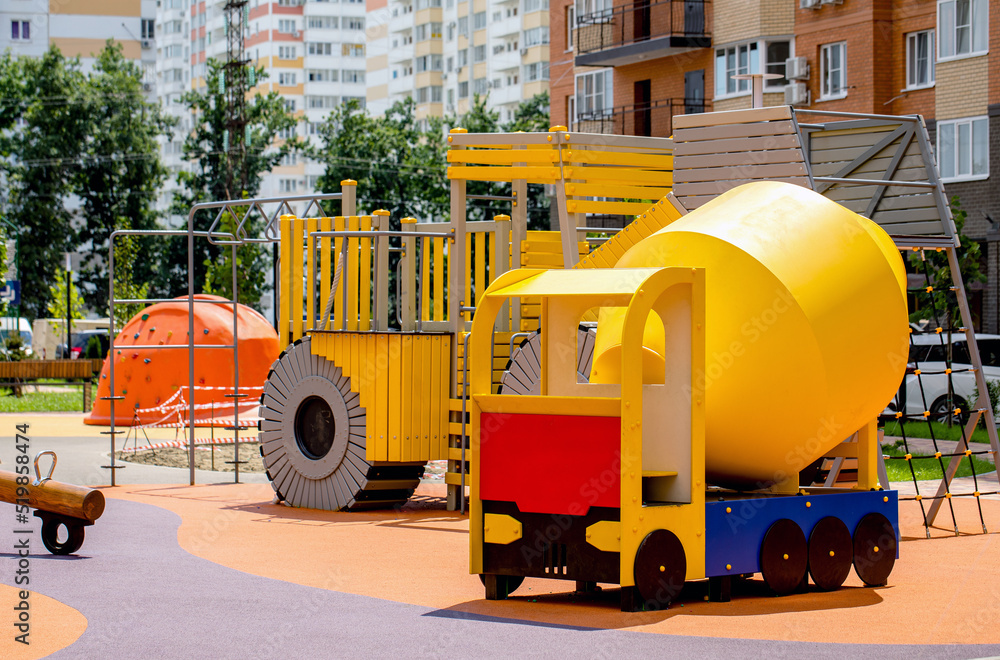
pixel 57 504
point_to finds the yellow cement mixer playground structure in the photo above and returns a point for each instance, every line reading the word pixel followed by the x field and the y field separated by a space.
pixel 661 388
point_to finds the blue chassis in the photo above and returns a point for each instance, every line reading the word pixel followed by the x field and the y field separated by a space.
pixel 735 538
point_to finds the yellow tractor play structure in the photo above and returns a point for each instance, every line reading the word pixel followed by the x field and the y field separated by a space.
pixel 359 402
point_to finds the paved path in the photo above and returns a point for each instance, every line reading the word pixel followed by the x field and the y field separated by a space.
pixel 144 597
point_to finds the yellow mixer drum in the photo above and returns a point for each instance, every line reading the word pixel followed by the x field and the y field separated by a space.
pixel 806 326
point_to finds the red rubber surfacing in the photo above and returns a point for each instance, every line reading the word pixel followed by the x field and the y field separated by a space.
pixel 560 464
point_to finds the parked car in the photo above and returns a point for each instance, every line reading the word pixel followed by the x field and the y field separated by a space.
pixel 928 353
pixel 79 342
pixel 19 326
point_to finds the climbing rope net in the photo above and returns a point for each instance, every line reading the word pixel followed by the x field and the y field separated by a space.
pixel 939 393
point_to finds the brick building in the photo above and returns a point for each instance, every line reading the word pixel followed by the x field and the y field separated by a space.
pixel 629 66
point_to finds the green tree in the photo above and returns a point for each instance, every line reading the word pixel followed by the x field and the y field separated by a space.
pixel 398 167
pixel 939 304
pixel 532 116
pixel 126 285
pixel 120 173
pixel 57 298
pixel 39 165
pixel 267 116
pixel 251 267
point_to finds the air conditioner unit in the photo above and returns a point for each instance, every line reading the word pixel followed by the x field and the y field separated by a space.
pixel 796 94
pixel 797 68
pixel 147 43
pixel 444 76
pixel 147 87
pixel 295 33
pixel 808 4
pixel 524 51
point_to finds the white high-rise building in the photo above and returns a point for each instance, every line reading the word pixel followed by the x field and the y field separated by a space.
pixel 313 53
pixel 443 52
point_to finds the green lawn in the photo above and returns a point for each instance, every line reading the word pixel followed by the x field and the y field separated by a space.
pixel 922 429
pixel 67 399
pixel 927 468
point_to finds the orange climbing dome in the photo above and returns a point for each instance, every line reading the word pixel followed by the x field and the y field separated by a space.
pixel 155 382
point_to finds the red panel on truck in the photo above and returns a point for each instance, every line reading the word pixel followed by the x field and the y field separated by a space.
pixel 550 463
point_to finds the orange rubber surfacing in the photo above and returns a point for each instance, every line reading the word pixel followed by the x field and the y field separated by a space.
pixel 420 556
pixel 54 625
pixel 151 378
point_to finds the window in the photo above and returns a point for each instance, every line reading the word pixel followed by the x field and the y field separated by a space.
pixel 536 5
pixel 731 61
pixel 536 71
pixel 290 105
pixel 479 20
pixel 323 22
pixel 353 50
pixel 287 185
pixel 322 75
pixel 833 71
pixel 479 86
pixel 594 93
pixel 463 89
pixel 963 28
pixel 920 59
pixel 428 31
pixel 423 94
pixel 353 76
pixel 463 25
pixel 585 7
pixel 286 52
pixel 570 25
pixel 286 26
pixel 322 102
pixel 286 133
pixel 289 159
pixel 963 148
pixel 463 57
pixel 354 24
pixel 536 37
pixel 316 48
pixel 451 32
pixel 147 28
pixel 479 54
pixel 173 51
pixel 451 64
pixel 289 3
pixel 20 31
pixel 425 4
pixel 777 52
pixel 286 79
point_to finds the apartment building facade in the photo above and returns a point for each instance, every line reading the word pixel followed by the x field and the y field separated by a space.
pixel 80 28
pixel 443 52
pixel 313 53
pixel 629 67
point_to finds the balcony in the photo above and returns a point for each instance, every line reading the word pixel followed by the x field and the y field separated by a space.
pixel 649 119
pixel 643 30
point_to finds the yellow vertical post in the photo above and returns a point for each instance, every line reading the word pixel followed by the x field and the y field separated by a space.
pixel 439 277
pixel 500 264
pixel 325 224
pixel 428 398
pixel 352 275
pixel 365 277
pixel 480 258
pixel 868 448
pixel 380 221
pixel 467 276
pixel 284 318
pixel 408 273
pixel 348 204
pixel 312 224
pixel 337 318
pixel 425 284
pixel 295 294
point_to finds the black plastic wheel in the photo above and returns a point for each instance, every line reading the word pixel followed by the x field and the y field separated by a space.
pixel 50 537
pixel 784 557
pixel 874 549
pixel 660 568
pixel 830 553
pixel 498 587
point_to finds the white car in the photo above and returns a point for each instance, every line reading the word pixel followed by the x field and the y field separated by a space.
pixel 929 392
